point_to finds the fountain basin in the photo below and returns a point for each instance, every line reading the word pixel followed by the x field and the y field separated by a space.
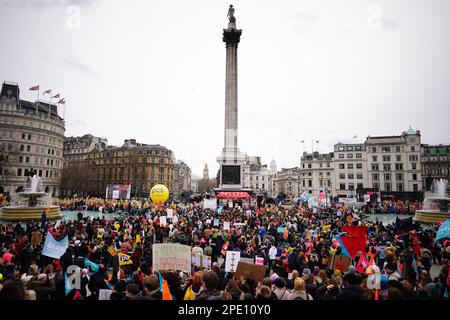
pixel 19 213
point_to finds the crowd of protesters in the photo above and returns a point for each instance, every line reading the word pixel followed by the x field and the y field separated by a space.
pixel 298 259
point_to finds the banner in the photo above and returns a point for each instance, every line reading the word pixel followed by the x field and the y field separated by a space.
pixel 259 261
pixel 54 249
pixel 210 204
pixel 201 261
pixel 232 260
pixel 88 263
pixel 249 270
pixel 172 256
pixel 443 231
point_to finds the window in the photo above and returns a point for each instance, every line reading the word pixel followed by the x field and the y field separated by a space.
pixel 359 186
pixel 359 166
pixel 350 166
pixel 399 166
pixel 374 158
pixel 414 176
pixel 351 176
pixel 341 175
pixel 46 173
pixel 29 136
pixel 328 165
pixel 342 186
pixel 161 170
pixel 341 148
pixel 386 167
pixel 359 176
pixel 385 149
pixel 375 167
pixel 397 148
pixel 376 185
pixel 28 148
pixel 328 173
pixel 386 158
pixel 27 159
pixel 351 186
pixel 40 173
pixel 358 148
pixel 400 187
pixel 374 149
pixel 309 183
pixel 349 148
pixel 375 176
pixel 398 158
pixel 413 149
pixel 341 166
pixel 413 158
pixel 359 155
pixel 414 166
pixel 309 165
pixel 320 165
pixel 22 147
pixel 387 176
pixel 20 159
pixel 415 188
pixel 19 172
pixel 387 187
pixel 341 156
pixel 349 155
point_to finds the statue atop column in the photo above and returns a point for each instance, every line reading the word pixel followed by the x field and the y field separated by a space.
pixel 230 14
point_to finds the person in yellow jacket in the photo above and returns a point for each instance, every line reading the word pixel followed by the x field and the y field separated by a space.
pixel 195 287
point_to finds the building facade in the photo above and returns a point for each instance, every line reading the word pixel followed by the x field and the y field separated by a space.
pixel 317 173
pixel 31 139
pixel 133 163
pixel 75 153
pixel 287 181
pixel 181 179
pixel 256 176
pixel 435 161
pixel 350 169
pixel 393 162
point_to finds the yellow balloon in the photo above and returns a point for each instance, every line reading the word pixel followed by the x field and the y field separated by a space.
pixel 159 193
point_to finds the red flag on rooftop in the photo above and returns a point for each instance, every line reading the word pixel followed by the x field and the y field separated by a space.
pixel 47 92
pixel 35 88
pixel 56 97
pixel 62 101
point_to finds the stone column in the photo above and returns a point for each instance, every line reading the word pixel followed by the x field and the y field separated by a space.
pixel 231 37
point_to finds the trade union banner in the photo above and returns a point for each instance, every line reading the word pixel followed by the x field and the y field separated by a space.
pixel 443 232
pixel 172 256
pixel 55 249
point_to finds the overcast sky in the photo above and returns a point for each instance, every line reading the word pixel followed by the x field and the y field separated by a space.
pixel 155 70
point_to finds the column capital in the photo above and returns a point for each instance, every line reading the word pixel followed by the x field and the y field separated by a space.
pixel 231 36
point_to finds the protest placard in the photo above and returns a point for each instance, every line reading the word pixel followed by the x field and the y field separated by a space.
pixel 216 222
pixel 250 270
pixel 334 260
pixel 104 294
pixel 171 256
pixel 54 249
pixel 169 213
pixel 210 204
pixel 232 260
pixel 259 261
pixel 163 220
pixel 226 225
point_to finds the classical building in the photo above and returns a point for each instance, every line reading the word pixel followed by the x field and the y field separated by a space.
pixel 133 163
pixel 350 169
pixel 317 173
pixel 394 164
pixel 435 161
pixel 75 174
pixel 256 176
pixel 31 138
pixel 287 181
pixel 181 179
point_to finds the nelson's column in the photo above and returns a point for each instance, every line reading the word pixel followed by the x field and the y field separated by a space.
pixel 231 159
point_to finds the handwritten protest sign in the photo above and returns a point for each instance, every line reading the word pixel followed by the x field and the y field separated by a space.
pixel 169 213
pixel 232 260
pixel 54 249
pixel 104 294
pixel 226 225
pixel 210 204
pixel 163 220
pixel 259 261
pixel 171 256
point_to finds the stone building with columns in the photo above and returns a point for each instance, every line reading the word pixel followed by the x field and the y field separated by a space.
pixel 31 139
pixel 317 173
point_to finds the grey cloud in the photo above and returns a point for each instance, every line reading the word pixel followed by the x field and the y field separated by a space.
pixel 44 3
pixel 75 63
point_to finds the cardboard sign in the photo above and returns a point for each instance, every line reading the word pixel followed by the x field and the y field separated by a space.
pixel 169 213
pixel 163 220
pixel 210 204
pixel 216 222
pixel 226 226
pixel 171 256
pixel 232 260
pixel 104 294
pixel 249 270
pixel 335 259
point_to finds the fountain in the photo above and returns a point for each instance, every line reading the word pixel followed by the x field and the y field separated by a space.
pixel 30 203
pixel 436 206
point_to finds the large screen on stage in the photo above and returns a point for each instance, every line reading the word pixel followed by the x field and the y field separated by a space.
pixel 231 175
pixel 118 191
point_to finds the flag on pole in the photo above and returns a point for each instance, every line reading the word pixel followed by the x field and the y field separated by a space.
pixel 48 92
pixel 356 136
pixel 124 259
pixel 35 88
pixel 62 101
pixel 56 97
